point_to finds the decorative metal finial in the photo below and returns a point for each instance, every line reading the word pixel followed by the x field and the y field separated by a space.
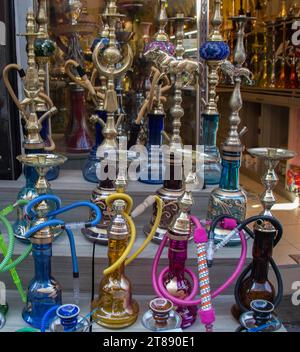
pixel 161 35
pixel 236 72
pixel 216 22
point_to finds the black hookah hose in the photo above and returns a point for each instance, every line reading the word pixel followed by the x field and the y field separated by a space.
pixel 243 225
pixel 93 283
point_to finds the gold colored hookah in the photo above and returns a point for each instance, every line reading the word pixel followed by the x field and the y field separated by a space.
pixel 264 78
pixel 106 63
pixel 273 59
pixel 115 308
pixel 255 58
pixel 172 188
pixel 280 83
pixel 34 94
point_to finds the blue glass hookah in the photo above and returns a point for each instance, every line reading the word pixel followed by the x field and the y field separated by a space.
pixel 153 170
pixel 33 119
pixel 44 292
pixel 229 198
pixel 214 51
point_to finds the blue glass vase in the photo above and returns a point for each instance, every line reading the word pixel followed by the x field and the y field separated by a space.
pixel 153 171
pixel 212 169
pixel 228 198
pixel 90 167
pixel 44 291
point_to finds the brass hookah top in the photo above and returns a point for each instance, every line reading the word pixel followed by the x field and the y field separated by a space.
pixel 236 72
pixel 181 225
pixel 118 227
pixel 161 35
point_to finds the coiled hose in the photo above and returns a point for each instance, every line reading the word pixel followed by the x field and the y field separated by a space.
pixel 129 203
pixel 7 263
pixel 31 213
pixel 243 226
pixel 158 281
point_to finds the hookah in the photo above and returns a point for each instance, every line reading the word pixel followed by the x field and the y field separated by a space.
pixel 97 95
pixel 292 82
pixel 77 135
pixel 44 291
pixel 253 282
pixel 115 308
pixel 273 60
pixel 111 57
pixel 33 142
pixel 281 79
pixel 229 198
pixel 152 172
pixel 172 188
pixel 44 49
pixel 263 81
pixel 172 282
pixel 214 51
pixel 255 58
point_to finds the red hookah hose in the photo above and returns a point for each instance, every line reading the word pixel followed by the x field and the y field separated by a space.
pixel 158 283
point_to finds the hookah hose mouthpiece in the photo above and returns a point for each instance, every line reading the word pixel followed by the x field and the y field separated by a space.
pixel 139 210
pixel 242 226
pixel 206 313
pixel 52 222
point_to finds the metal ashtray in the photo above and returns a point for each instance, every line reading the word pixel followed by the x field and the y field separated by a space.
pixel 161 316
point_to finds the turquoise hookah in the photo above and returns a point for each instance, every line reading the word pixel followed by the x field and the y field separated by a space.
pixel 214 51
pixel 229 198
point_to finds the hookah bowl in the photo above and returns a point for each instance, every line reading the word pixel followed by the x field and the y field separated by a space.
pixel 260 318
pixel 44 291
pixel 36 167
pixel 68 320
pixel 161 316
pixel 115 307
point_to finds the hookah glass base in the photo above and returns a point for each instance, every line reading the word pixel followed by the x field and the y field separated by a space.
pixel 112 317
pixel 44 291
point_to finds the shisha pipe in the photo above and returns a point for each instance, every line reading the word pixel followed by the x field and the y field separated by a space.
pixel 178 235
pixel 178 68
pixel 34 95
pixel 115 308
pixel 106 62
pixel 229 198
pixel 214 51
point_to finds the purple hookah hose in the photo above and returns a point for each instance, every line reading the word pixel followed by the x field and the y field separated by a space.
pixel 158 283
